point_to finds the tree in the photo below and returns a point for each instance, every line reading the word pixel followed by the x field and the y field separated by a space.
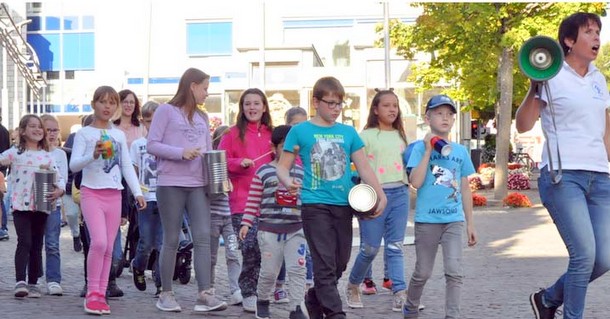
pixel 474 46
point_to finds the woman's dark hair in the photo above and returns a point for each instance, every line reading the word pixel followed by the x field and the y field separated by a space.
pixel 569 27
pixel 373 119
pixel 184 96
pixel 242 121
pixel 135 116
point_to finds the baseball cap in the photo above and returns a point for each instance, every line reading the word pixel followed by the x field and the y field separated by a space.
pixel 438 100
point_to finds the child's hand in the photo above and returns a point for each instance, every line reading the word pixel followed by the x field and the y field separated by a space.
pixel 246 162
pixel 98 150
pixel 5 161
pixel 383 202
pixel 141 203
pixel 243 231
pixel 56 193
pixel 294 187
pixel 427 139
pixel 190 154
pixel 472 235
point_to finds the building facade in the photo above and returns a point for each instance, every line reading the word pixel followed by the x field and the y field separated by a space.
pixel 145 46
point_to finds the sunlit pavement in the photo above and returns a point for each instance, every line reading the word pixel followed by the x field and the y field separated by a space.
pixel 519 251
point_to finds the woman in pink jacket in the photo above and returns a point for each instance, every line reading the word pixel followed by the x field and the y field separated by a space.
pixel 248 146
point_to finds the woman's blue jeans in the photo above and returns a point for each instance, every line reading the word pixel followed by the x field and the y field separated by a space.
pixel 390 226
pixel 580 207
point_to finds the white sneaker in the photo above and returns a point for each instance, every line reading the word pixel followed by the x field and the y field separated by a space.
pixel 249 304
pixel 399 300
pixel 34 291
pixel 206 301
pixel 167 302
pixel 236 298
pixel 54 289
pixel 352 296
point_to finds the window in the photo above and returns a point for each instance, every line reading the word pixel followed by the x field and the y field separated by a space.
pixel 63 43
pixel 209 38
pixel 52 75
pixel 69 75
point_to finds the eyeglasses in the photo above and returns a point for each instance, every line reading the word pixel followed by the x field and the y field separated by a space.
pixel 333 105
pixel 52 130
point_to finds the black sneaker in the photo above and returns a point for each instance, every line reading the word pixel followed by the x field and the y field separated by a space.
pixel 83 292
pixel 297 314
pixel 314 309
pixel 262 309
pixel 540 311
pixel 113 291
pixel 139 280
pixel 78 246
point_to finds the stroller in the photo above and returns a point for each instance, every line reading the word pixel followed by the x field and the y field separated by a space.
pixel 184 256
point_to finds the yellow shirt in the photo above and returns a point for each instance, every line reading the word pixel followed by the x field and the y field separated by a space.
pixel 384 151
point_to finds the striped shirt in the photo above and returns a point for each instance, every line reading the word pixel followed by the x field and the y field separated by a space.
pixel 268 200
pixel 219 205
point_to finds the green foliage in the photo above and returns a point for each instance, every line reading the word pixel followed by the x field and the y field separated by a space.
pixel 464 43
pixel 603 62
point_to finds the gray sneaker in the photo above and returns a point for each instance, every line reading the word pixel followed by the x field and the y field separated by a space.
pixel 21 289
pixel 167 302
pixel 207 301
pixel 399 300
pixel 54 289
pixel 235 298
pixel 352 296
pixel 249 304
pixel 34 291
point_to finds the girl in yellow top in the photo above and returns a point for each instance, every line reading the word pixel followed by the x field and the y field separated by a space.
pixel 385 141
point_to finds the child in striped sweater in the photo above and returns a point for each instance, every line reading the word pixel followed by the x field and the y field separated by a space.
pixel 280 233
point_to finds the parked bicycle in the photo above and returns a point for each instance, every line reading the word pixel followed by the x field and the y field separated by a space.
pixel 523 159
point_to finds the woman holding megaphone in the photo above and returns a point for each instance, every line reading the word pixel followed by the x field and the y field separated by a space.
pixel 574 181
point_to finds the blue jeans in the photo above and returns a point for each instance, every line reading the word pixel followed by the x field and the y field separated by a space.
pixel 51 246
pixel 580 207
pixel 391 225
pixel 151 237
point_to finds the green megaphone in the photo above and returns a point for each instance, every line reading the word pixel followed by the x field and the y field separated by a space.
pixel 540 58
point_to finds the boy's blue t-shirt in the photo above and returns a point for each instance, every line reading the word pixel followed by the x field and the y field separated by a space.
pixel 439 199
pixel 326 155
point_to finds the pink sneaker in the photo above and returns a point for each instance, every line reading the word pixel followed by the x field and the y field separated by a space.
pixel 368 287
pixel 93 304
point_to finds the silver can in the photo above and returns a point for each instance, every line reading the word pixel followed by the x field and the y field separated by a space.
pixel 44 181
pixel 216 174
pixel 363 199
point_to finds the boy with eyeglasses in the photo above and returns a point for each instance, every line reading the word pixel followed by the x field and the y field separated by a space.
pixel 328 147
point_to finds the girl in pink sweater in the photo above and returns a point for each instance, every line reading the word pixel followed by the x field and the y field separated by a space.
pixel 248 146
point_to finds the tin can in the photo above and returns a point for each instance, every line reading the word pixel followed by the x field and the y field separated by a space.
pixel 363 199
pixel 215 171
pixel 44 181
pixel 440 145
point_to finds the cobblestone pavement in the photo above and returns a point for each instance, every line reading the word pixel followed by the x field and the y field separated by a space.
pixel 519 250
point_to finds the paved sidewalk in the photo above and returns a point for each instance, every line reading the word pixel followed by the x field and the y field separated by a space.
pixel 519 250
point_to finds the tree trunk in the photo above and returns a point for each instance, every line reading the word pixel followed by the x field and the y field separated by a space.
pixel 504 118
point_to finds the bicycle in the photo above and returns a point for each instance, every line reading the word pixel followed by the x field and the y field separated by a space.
pixel 523 159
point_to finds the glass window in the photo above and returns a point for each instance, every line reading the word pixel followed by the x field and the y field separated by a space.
pixel 213 104
pixel 209 38
pixel 52 24
pixel 276 75
pixel 71 23
pixel 47 48
pixel 78 53
pixel 35 24
pixel 231 106
pixel 88 23
pixel 350 114
pixel 280 102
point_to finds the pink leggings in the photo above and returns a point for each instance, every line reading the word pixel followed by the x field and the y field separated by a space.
pixel 102 213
